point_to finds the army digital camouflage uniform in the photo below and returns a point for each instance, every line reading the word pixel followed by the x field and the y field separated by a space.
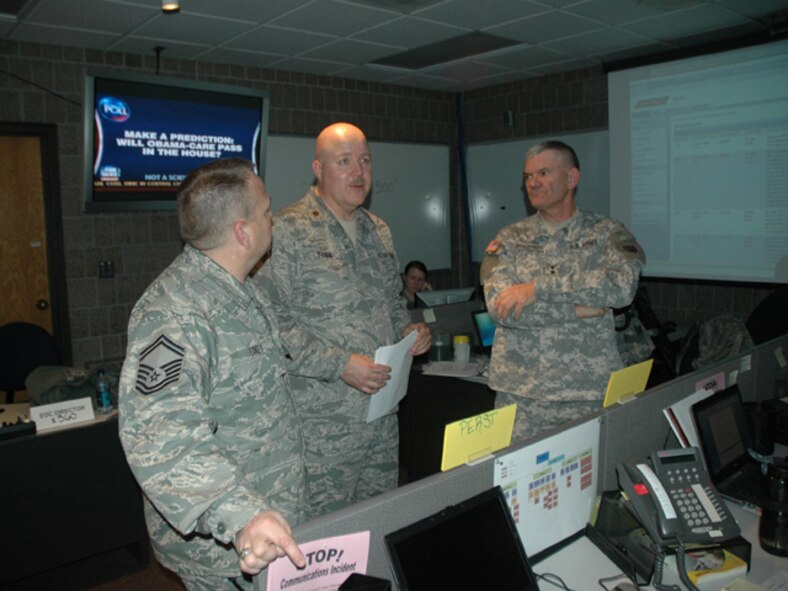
pixel 335 299
pixel 549 355
pixel 206 417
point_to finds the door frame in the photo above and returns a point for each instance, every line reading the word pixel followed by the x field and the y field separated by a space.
pixel 53 221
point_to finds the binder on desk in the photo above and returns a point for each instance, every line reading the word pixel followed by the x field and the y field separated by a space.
pixel 626 383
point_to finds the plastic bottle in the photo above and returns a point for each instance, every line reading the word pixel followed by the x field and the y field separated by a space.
pixel 103 394
pixel 462 348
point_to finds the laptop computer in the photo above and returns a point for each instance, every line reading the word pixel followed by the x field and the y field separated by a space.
pixel 724 440
pixel 484 326
pixel 428 554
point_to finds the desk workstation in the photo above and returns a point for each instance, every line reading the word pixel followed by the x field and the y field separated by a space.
pixel 626 432
pixel 67 495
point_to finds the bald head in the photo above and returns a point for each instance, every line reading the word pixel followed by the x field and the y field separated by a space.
pixel 337 133
pixel 343 168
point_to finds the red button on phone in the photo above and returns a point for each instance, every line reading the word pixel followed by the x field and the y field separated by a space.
pixel 641 489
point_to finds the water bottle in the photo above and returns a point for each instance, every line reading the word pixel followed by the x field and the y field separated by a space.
pixel 462 348
pixel 103 394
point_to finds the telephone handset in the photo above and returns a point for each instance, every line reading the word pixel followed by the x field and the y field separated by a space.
pixel 675 500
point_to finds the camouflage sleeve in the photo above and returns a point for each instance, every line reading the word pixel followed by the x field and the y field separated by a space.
pixel 307 354
pixel 500 275
pixel 611 283
pixel 168 436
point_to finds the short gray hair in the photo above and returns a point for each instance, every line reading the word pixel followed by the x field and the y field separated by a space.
pixel 211 199
pixel 557 146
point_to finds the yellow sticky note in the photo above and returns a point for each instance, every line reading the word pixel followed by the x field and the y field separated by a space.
pixel 627 382
pixel 475 437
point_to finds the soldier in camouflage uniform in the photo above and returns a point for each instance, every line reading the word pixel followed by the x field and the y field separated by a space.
pixel 334 278
pixel 553 279
pixel 206 417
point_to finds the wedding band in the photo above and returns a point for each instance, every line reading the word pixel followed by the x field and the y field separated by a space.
pixel 244 553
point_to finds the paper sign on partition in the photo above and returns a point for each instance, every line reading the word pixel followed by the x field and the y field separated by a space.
pixel 329 562
pixel 475 437
pixel 626 383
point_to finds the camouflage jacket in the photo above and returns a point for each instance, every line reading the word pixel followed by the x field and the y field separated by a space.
pixel 206 418
pixel 549 353
pixel 333 298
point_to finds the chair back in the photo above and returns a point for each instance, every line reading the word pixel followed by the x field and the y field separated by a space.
pixel 23 347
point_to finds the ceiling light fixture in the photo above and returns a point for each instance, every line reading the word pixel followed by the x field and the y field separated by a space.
pixel 170 6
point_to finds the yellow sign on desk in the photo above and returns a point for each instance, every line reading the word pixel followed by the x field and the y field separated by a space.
pixel 475 437
pixel 626 383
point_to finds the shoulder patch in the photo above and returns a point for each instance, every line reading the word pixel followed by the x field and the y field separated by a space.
pixel 492 247
pixel 626 243
pixel 160 365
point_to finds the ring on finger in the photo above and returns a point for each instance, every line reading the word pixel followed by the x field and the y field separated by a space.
pixel 244 553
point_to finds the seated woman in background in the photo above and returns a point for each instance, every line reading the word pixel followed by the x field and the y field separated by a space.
pixel 414 280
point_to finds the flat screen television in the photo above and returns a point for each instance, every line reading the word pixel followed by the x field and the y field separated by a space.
pixel 143 135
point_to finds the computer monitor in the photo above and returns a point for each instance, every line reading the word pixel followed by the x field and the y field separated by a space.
pixel 441 297
pixel 425 554
pixel 485 329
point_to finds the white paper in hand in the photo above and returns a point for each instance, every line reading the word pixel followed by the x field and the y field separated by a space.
pixel 398 358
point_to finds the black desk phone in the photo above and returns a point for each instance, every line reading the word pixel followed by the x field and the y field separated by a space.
pixel 675 500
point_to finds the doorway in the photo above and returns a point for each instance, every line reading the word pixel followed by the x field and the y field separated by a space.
pixel 32 262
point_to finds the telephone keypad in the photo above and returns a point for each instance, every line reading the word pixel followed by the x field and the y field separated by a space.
pixel 687 502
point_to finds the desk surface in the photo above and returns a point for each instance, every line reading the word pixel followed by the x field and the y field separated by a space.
pixel 581 564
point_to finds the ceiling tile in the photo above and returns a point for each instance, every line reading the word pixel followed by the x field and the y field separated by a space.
pixel 224 55
pixel 466 70
pixel 330 17
pixel 62 36
pixel 476 15
pixel 192 28
pixel 545 27
pixel 691 21
pixel 615 12
pixel 97 15
pixel 144 45
pixel 254 11
pixel 409 32
pixel 524 57
pixel 759 10
pixel 598 42
pixel 350 51
pixel 277 40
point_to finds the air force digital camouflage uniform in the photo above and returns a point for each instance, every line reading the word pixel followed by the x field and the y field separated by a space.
pixel 553 364
pixel 335 299
pixel 206 417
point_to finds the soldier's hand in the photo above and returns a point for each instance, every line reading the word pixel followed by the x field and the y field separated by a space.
pixel 588 311
pixel 365 375
pixel 423 340
pixel 265 538
pixel 514 298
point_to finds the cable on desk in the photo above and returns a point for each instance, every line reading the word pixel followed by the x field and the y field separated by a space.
pixel 554 580
pixel 617 580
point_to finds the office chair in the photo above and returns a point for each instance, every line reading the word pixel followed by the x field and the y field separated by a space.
pixel 23 347
pixel 769 319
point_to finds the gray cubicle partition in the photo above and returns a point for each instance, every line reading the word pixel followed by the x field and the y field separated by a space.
pixel 630 430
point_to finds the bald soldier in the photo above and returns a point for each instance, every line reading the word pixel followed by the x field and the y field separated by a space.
pixel 551 282
pixel 206 417
pixel 334 279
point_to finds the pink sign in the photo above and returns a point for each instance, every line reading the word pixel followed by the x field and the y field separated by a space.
pixel 328 563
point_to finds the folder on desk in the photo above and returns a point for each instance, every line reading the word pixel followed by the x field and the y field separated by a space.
pixel 626 383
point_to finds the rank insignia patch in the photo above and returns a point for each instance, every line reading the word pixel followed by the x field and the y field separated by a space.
pixel 160 365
